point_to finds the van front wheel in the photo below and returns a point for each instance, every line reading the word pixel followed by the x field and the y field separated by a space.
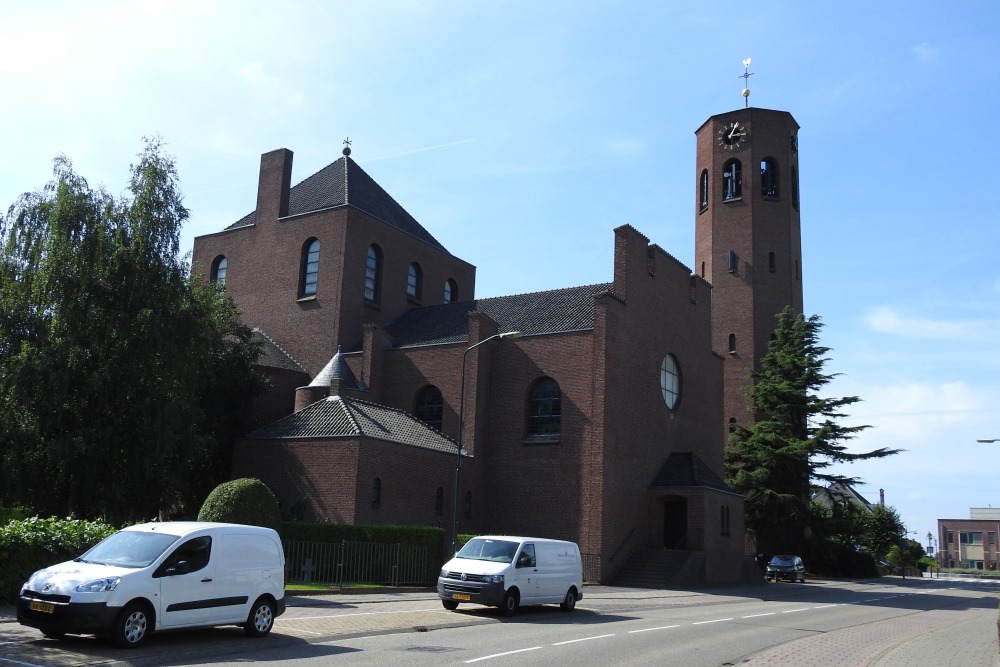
pixel 132 625
pixel 261 618
pixel 569 604
pixel 510 602
pixel 450 605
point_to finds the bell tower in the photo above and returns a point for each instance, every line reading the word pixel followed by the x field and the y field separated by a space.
pixel 747 236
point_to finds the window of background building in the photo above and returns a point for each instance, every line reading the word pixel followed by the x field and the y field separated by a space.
pixel 430 407
pixel 544 410
pixel 769 178
pixel 376 492
pixel 439 502
pixel 414 281
pixel 703 194
pixel 732 180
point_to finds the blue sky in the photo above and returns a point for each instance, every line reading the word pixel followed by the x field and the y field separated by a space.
pixel 521 133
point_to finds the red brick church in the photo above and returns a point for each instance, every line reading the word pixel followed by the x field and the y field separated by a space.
pixel 595 413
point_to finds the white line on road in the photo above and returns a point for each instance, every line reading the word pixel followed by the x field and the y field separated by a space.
pixel 792 611
pixel 770 613
pixel 584 639
pixel 717 620
pixel 500 655
pixel 662 627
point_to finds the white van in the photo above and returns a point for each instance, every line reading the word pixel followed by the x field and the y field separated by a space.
pixel 507 572
pixel 161 576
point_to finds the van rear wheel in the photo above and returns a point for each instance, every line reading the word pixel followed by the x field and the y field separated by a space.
pixel 261 618
pixel 510 603
pixel 569 603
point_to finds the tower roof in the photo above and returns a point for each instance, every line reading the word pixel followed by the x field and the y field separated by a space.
pixel 345 183
pixel 336 369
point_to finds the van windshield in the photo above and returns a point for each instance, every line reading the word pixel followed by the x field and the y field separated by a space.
pixel 497 551
pixel 129 549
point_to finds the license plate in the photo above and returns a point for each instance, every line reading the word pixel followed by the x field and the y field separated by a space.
pixel 43 606
pixel 461 596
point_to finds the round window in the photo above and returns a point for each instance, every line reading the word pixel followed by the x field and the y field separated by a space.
pixel 670 381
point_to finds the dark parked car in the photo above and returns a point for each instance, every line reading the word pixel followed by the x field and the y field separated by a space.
pixel 785 567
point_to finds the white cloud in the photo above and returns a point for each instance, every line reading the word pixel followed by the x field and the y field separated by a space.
pixel 884 319
pixel 926 53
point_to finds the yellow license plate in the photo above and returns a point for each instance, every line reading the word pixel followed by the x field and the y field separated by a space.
pixel 43 606
pixel 461 596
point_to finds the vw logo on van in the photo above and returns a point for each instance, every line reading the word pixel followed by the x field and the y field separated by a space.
pixel 465 577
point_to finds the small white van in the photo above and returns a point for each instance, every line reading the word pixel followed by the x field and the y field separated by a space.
pixel 161 576
pixel 507 572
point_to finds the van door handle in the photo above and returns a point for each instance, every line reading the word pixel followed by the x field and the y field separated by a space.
pixel 205 581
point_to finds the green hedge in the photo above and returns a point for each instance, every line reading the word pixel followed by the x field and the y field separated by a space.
pixel 27 545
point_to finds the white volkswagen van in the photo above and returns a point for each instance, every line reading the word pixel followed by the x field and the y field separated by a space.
pixel 507 572
pixel 160 576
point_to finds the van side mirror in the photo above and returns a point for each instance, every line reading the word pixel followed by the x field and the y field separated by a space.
pixel 181 567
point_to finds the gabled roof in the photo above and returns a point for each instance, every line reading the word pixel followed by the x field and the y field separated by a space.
pixel 344 183
pixel 554 311
pixel 685 469
pixel 839 493
pixel 272 355
pixel 344 417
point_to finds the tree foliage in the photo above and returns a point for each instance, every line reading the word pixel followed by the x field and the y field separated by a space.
pixel 122 376
pixel 794 438
pixel 245 500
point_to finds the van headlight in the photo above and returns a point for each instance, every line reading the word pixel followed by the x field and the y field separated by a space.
pixel 493 578
pixel 100 585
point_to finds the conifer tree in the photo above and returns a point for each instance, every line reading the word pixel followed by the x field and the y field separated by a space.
pixel 794 438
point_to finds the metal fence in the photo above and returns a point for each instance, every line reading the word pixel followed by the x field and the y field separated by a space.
pixel 344 563
pixel 359 563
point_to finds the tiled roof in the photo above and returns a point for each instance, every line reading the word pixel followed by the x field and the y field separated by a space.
pixel 685 469
pixel 344 183
pixel 272 356
pixel 336 369
pixel 342 417
pixel 569 309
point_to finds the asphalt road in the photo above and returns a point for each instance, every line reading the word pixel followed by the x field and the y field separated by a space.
pixel 885 623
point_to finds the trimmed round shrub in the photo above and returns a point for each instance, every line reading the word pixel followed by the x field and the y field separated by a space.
pixel 246 500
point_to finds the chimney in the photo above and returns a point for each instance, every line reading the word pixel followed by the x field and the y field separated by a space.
pixel 274 185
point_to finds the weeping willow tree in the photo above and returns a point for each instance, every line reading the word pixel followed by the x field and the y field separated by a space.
pixel 794 439
pixel 123 377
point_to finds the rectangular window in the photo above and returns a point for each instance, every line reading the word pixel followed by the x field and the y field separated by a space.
pixel 733 261
pixel 972 537
pixel 951 537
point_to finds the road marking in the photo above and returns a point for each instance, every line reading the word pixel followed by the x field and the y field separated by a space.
pixel 826 606
pixel 662 627
pixel 717 620
pixel 500 655
pixel 584 639
pixel 792 611
pixel 770 613
pixel 18 662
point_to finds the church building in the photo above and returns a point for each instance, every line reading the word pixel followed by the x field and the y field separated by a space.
pixel 595 413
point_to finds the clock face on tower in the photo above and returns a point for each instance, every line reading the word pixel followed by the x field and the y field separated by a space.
pixel 732 135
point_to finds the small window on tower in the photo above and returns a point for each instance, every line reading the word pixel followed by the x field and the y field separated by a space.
pixel 769 178
pixel 703 197
pixel 734 261
pixel 732 180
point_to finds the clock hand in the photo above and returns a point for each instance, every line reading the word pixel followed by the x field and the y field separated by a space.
pixel 733 133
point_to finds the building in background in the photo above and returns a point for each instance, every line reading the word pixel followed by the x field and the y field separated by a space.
pixel 602 417
pixel 970 543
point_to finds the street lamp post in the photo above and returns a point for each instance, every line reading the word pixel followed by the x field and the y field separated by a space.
pixel 509 335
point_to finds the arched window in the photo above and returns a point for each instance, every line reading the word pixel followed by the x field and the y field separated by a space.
pixel 376 492
pixel 769 178
pixel 544 410
pixel 450 291
pixel 414 281
pixel 732 180
pixel 310 267
pixel 670 381
pixel 703 195
pixel 439 502
pixel 430 406
pixel 732 343
pixel 373 274
pixel 219 268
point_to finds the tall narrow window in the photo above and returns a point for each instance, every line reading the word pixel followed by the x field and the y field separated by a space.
pixel 373 274
pixel 769 178
pixel 703 196
pixel 376 492
pixel 310 267
pixel 734 261
pixel 414 280
pixel 544 410
pixel 732 343
pixel 732 180
pixel 450 291
pixel 439 502
pixel 772 264
pixel 795 188
pixel 219 268
pixel 430 406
